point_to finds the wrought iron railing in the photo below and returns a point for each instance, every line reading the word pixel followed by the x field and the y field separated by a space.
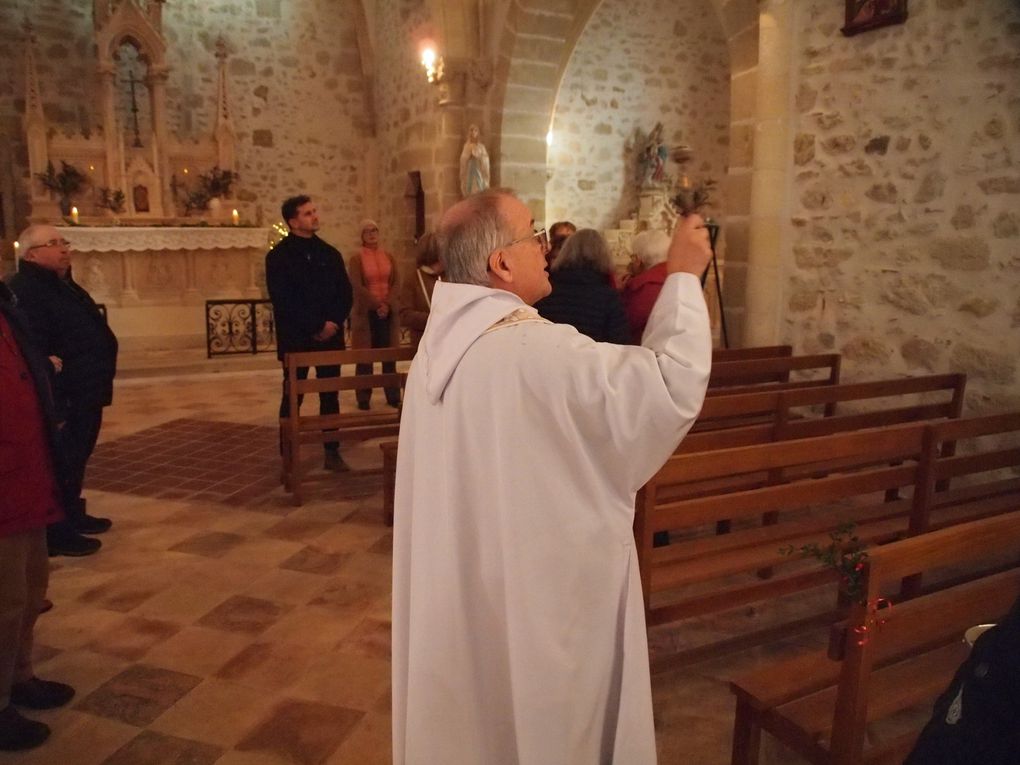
pixel 239 326
pixel 247 326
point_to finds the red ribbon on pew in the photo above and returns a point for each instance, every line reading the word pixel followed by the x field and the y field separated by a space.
pixel 873 621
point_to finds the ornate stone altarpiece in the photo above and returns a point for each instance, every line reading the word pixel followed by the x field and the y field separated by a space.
pixel 154 272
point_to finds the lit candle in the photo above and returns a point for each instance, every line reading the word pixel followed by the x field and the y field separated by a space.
pixel 74 215
pixel 235 218
pixel 685 182
pixel 17 246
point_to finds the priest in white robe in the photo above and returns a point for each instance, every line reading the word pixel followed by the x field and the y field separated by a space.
pixel 518 625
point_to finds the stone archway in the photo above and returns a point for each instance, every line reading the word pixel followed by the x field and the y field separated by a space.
pixel 538 39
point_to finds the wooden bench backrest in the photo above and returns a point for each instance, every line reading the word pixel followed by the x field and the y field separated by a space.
pixel 867 449
pixel 294 361
pixel 967 543
pixel 757 352
pixel 774 372
pixel 712 431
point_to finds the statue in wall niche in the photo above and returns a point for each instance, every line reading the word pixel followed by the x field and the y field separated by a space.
pixel 474 164
pixel 140 197
pixel 651 164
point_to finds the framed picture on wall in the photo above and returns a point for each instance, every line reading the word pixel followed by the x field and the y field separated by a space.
pixel 863 15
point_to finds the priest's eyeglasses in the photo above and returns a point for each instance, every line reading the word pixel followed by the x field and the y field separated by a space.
pixel 542 235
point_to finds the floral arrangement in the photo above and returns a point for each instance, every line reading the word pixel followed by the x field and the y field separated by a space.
pixel 112 200
pixel 69 181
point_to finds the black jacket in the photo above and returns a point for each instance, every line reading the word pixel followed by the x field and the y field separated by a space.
pixel 65 321
pixel 584 299
pixel 308 284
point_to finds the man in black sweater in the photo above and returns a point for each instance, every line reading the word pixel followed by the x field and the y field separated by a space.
pixel 68 327
pixel 311 294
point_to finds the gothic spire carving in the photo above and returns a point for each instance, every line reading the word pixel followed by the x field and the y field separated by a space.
pixel 33 96
pixel 225 135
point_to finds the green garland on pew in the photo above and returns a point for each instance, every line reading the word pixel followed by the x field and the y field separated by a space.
pixel 845 554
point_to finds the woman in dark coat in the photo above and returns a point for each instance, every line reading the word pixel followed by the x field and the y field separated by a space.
pixel 583 294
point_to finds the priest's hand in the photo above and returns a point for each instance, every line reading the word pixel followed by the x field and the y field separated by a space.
pixel 690 251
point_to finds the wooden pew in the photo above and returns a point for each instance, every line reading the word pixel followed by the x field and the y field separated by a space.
pixel 749 375
pixel 700 572
pixel 756 352
pixel 881 661
pixel 300 429
pixel 745 419
pixel 773 415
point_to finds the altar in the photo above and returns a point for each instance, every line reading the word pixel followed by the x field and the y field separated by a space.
pixel 154 281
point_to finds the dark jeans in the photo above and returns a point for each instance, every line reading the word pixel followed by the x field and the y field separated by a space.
pixel 329 402
pixel 78 440
pixel 380 332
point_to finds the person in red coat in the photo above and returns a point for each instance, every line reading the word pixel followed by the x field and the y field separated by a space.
pixel 30 498
pixel 648 269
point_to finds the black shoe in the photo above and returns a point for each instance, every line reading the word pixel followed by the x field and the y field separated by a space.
pixel 363 406
pixel 18 733
pixel 335 463
pixel 89 524
pixel 394 404
pixel 41 694
pixel 72 544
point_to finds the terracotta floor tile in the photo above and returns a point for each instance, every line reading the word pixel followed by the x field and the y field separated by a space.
pixel 216 712
pixel 307 732
pixel 370 638
pixel 214 544
pixel 151 748
pixel 138 695
pixel 243 614
pixel 268 666
pixel 311 560
pixel 197 650
pixel 346 680
pixel 133 637
pixel 370 743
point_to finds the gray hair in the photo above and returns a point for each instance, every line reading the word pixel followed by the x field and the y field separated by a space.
pixel 585 249
pixel 466 242
pixel 31 237
pixel 651 247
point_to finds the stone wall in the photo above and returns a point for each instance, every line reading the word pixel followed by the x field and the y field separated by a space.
pixel 906 223
pixel 636 63
pixel 408 123
pixel 296 93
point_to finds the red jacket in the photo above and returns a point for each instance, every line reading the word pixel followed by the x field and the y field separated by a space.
pixel 639 295
pixel 28 490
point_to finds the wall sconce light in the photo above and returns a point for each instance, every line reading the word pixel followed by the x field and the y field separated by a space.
pixel 433 65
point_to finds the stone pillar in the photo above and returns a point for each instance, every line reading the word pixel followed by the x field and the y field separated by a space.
pixel 111 142
pixel 156 83
pixel 770 205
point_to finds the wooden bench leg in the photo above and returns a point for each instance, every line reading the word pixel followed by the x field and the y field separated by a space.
pixel 746 735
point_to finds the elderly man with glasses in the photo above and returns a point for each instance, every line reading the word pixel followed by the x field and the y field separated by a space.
pixel 67 326
pixel 518 621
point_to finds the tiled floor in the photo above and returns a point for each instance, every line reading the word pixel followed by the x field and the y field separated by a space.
pixel 222 624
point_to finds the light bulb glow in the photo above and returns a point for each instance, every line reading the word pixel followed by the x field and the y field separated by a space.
pixel 549 138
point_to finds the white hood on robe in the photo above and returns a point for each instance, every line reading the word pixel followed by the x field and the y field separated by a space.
pixel 461 313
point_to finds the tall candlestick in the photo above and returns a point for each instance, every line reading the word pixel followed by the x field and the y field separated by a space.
pixel 74 215
pixel 235 218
